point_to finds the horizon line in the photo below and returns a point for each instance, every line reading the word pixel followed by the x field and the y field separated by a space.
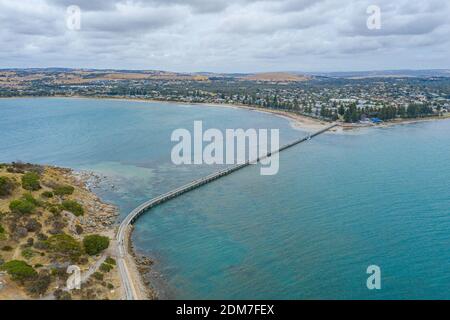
pixel 231 72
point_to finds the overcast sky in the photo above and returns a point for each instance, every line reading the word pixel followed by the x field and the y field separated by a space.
pixel 226 35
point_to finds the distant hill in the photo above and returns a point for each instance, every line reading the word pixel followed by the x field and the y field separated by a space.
pixel 84 75
pixel 276 77
pixel 387 74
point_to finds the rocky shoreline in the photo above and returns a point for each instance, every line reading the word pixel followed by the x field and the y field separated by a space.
pixel 142 264
pixel 58 215
pixel 100 217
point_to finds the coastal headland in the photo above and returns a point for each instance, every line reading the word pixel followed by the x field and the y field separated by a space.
pixel 50 221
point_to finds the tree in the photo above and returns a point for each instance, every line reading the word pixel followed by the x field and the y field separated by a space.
pixel 105 267
pixel 94 244
pixel 30 181
pixel 347 115
pixel 411 111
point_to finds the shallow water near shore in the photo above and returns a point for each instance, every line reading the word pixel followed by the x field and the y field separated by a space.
pixel 127 144
pixel 339 203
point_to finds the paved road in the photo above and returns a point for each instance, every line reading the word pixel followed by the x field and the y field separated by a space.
pixel 127 282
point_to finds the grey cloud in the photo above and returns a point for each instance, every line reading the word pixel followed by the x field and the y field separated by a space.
pixel 132 19
pixel 88 5
pixel 399 19
pixel 224 35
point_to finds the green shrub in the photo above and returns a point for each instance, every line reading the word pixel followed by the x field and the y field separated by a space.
pixel 39 284
pixel 63 190
pixel 98 276
pixel 65 245
pixel 105 268
pixel 19 270
pixel 41 245
pixel 110 261
pixel 58 272
pixel 2 230
pixel 30 181
pixel 29 197
pixel 42 236
pixel 62 295
pixel 94 244
pixel 110 286
pixel 74 207
pixel 7 248
pixel 30 242
pixel 47 194
pixel 6 186
pixel 25 205
pixel 55 209
pixel 27 253
pixel 32 225
pixel 22 207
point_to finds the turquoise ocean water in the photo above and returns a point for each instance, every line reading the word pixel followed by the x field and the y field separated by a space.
pixel 340 202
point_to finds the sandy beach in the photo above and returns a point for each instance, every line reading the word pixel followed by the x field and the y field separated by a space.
pixel 297 121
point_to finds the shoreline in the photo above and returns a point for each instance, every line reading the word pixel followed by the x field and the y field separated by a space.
pixel 138 265
pixel 297 121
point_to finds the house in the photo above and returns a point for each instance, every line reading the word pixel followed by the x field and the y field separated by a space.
pixel 376 120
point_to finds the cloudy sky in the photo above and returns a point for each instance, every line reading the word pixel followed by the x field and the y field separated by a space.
pixel 226 35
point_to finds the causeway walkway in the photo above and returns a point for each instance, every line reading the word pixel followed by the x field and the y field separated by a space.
pixel 130 292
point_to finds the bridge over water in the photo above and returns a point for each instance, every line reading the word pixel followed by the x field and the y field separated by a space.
pixel 124 230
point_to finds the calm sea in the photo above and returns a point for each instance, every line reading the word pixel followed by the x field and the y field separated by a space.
pixel 340 202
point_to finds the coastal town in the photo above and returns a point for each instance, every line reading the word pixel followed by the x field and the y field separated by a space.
pixel 362 99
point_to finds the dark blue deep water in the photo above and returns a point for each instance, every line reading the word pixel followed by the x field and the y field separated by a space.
pixel 340 202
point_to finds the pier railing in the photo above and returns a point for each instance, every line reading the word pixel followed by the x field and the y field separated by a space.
pixel 136 213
